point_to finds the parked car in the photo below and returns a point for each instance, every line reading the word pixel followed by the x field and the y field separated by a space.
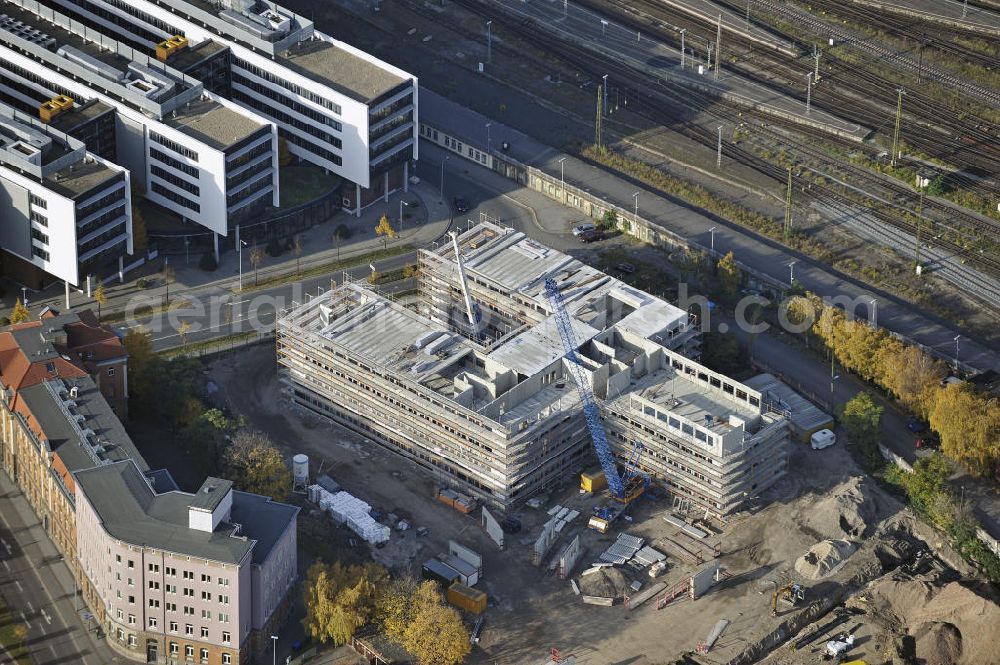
pixel 916 425
pixel 591 236
pixel 461 205
pixel 929 441
pixel 625 268
pixel 824 438
pixel 580 229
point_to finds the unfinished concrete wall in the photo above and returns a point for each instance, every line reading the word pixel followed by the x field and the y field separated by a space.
pixel 704 579
pixel 569 556
pixel 492 527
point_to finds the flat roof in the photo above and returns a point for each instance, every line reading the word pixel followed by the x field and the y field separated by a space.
pixel 83 177
pixel 45 405
pixel 131 511
pixel 212 123
pixel 192 55
pixel 211 493
pixel 343 71
pixel 538 347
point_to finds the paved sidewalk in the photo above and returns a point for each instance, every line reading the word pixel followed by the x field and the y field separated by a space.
pixel 428 221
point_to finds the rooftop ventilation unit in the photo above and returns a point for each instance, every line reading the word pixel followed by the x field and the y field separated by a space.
pixel 74 54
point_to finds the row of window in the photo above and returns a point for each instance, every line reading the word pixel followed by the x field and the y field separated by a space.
pixel 287 85
pixel 39 202
pixel 163 157
pixel 39 218
pixel 313 148
pixel 249 156
pixel 175 197
pixel 174 146
pixel 174 180
pixel 39 236
pixel 244 194
pixel 40 253
pixel 278 115
pixel 246 176
pixel 175 649
pixel 103 202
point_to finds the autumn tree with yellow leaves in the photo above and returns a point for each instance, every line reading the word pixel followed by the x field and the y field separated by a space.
pixel 385 230
pixel 340 599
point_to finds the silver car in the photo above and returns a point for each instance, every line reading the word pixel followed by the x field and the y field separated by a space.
pixel 583 228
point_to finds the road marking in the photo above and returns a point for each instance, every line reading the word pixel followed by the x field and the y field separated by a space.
pixel 27 624
pixel 17 583
pixel 5 544
pixel 6 565
pixel 31 608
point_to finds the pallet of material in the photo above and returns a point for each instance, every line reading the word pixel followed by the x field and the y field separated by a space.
pixel 598 600
pixel 554 509
pixel 676 521
pixel 680 551
pixel 647 556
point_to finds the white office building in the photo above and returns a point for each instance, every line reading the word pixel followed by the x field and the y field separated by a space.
pixel 63 210
pixel 336 106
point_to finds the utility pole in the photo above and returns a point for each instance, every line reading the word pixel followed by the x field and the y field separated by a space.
pixel 788 206
pixel 708 59
pixel 816 53
pixel 600 114
pixel 718 154
pixel 920 214
pixel 965 8
pixel 895 134
pixel 604 100
pixel 809 91
pixel 489 42
pixel 748 16
pixel 683 30
pixel 718 48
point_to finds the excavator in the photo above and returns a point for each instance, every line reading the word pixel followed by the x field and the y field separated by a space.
pixel 792 594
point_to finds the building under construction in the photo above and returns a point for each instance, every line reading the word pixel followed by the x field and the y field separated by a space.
pixel 471 381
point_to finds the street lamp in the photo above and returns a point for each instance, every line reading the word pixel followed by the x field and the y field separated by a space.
pixel 874 317
pixel 957 337
pixel 489 42
pixel 635 215
pixel 562 178
pixel 791 273
pixel 682 47
pixel 712 231
pixel 24 296
pixel 274 651
pixel 441 197
pixel 832 379
pixel 488 142
pixel 243 243
pixel 401 204
pixel 604 106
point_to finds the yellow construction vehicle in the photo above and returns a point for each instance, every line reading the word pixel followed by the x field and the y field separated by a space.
pixel 792 594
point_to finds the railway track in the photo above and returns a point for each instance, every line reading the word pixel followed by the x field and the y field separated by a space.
pixel 596 64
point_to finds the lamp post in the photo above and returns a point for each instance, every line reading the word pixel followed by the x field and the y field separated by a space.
pixel 562 178
pixel 441 197
pixel 24 296
pixel 957 337
pixel 274 650
pixel 712 245
pixel 401 204
pixel 832 379
pixel 243 243
pixel 635 214
pixel 604 105
pixel 809 90
pixel 791 273
pixel 874 317
pixel 682 47
pixel 488 141
pixel 489 42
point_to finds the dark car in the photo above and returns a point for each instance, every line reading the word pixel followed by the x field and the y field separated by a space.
pixel 915 425
pixel 929 441
pixel 461 205
pixel 625 268
pixel 591 236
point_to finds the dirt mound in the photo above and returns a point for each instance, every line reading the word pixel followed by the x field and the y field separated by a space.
pixel 949 624
pixel 937 643
pixel 823 558
pixel 608 582
pixel 847 510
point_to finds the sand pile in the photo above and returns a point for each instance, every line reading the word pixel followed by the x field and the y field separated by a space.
pixel 823 558
pixel 608 582
pixel 847 510
pixel 950 624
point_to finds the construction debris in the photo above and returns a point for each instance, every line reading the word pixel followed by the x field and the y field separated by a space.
pixel 824 558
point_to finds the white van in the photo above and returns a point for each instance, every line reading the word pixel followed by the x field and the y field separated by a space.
pixel 824 438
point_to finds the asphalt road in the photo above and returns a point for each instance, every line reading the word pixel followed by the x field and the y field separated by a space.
pixel 34 581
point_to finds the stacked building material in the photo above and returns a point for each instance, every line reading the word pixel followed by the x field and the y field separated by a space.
pixel 344 508
pixel 647 556
pixel 623 549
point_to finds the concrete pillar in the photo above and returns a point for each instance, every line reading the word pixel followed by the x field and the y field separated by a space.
pixel 215 246
pixel 121 269
pixel 88 286
pixel 357 200
pixel 406 177
pixel 66 282
pixel 385 186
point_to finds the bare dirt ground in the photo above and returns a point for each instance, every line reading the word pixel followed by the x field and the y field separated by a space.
pixel 823 497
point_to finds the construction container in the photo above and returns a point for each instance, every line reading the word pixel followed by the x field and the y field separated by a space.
pixel 434 569
pixel 467 573
pixel 593 481
pixel 460 502
pixel 55 106
pixel 598 524
pixel 467 598
pixel 168 47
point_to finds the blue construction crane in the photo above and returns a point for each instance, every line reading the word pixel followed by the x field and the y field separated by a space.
pixel 633 483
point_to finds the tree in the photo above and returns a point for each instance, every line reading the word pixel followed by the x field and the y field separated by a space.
pixel 101 298
pixel 862 419
pixel 722 352
pixel 340 599
pixel 729 277
pixel 393 607
pixel 256 465
pixel 284 154
pixel 340 234
pixel 374 277
pixel 435 634
pixel 609 221
pixel 139 236
pixel 256 256
pixel 203 440
pixel 913 376
pixel 969 426
pixel 385 230
pixel 411 270
pixel 297 248
pixel 183 329
pixel 169 277
pixel 20 633
pixel 20 313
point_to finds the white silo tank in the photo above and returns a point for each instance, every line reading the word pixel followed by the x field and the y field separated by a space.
pixel 300 470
